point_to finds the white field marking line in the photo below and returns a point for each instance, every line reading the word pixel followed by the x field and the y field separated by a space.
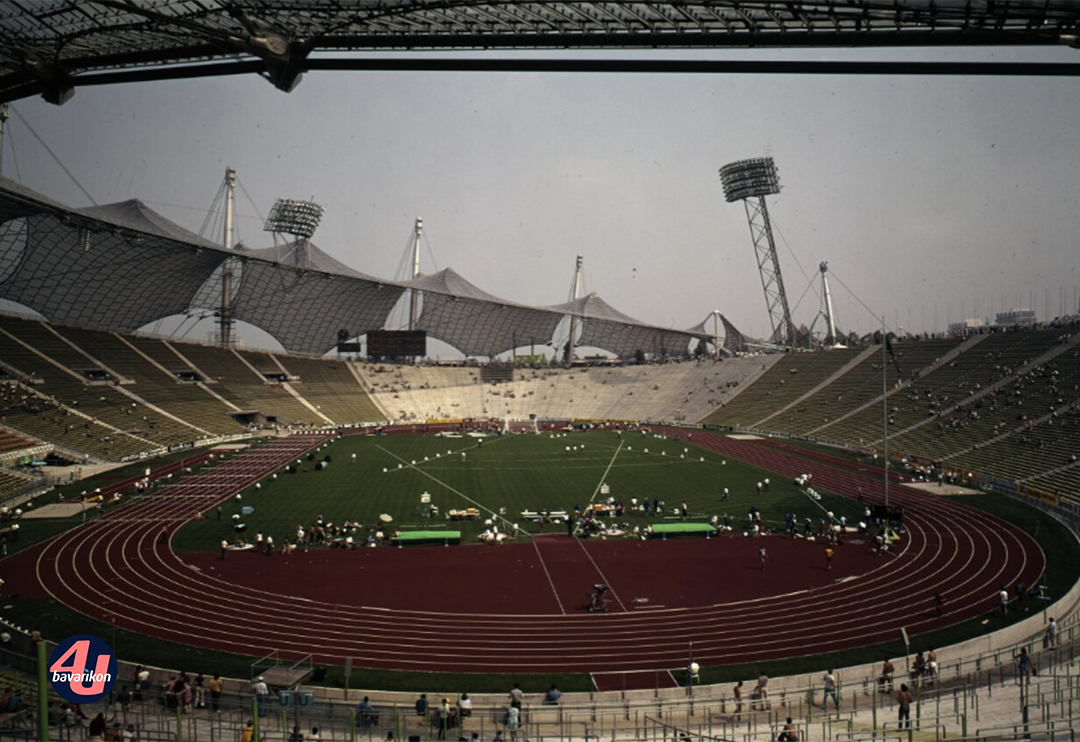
pixel 604 477
pixel 438 458
pixel 548 575
pixel 600 484
pixel 602 575
pixel 444 484
pixel 811 499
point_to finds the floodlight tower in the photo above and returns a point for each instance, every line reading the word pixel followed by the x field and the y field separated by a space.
pixel 298 219
pixel 225 316
pixel 414 297
pixel 750 181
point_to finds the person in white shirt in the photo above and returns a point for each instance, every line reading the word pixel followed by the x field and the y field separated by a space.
pixel 464 705
pixel 261 692
pixel 830 690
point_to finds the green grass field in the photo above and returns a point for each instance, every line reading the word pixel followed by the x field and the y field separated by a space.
pixel 506 474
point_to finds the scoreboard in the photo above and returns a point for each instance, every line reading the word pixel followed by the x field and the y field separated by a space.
pixel 396 343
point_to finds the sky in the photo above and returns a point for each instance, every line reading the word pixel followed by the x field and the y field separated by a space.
pixel 931 198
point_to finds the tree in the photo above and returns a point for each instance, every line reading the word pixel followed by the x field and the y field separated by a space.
pixel 702 349
pixel 639 356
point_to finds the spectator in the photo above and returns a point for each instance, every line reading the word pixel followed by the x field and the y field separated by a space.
pixel 464 705
pixel 830 690
pixel 903 700
pixel 761 691
pixel 1023 664
pixel 517 696
pixel 142 677
pixel 216 686
pixel 513 721
pixel 421 705
pixel 200 692
pixel 552 697
pixel 365 714
pixel 124 699
pixel 886 679
pixel 261 693
pixel 446 718
pixel 97 728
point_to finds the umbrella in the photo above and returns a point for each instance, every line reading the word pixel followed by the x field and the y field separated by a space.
pixel 385 518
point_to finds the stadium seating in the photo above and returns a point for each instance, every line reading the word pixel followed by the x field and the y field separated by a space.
pixel 860 385
pixel 42 417
pixel 11 483
pixel 675 391
pixel 791 377
pixel 156 384
pixel 12 442
pixel 332 388
pixel 993 360
pixel 68 376
pixel 1020 400
pixel 237 382
pixel 966 403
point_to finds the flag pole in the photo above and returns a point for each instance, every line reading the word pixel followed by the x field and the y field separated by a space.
pixel 885 406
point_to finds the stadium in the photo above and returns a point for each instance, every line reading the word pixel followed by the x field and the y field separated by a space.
pixel 364 507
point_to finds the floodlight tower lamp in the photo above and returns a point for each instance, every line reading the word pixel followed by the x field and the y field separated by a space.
pixel 750 181
pixel 294 217
pixel 297 218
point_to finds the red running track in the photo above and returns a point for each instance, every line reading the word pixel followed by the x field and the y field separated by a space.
pixel 504 609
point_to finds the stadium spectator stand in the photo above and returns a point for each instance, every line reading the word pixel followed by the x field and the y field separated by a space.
pixel 333 388
pixel 11 483
pixel 156 385
pixel 1001 404
pixel 243 386
pixel 78 382
pixel 860 385
pixel 678 392
pixel 791 377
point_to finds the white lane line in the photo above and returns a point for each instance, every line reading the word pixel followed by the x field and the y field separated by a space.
pixel 550 581
pixel 602 575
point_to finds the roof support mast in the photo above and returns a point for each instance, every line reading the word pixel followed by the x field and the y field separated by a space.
pixel 830 313
pixel 575 294
pixel 750 181
pixel 225 317
pixel 414 298
pixel 4 112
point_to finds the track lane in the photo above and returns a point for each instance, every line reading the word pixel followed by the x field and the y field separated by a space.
pixel 117 569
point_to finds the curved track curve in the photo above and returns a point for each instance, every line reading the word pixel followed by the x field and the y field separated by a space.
pixel 120 567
